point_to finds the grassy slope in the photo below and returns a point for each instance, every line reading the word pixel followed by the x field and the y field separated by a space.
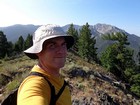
pixel 81 87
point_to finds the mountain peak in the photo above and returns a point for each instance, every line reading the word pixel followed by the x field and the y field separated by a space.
pixel 106 28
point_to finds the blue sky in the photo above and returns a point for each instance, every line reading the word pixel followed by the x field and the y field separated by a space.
pixel 124 14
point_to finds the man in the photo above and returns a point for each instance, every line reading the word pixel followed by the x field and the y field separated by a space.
pixel 50 44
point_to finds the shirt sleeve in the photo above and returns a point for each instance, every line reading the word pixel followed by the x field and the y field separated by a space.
pixel 34 91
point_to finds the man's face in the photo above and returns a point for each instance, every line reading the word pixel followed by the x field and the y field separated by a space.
pixel 54 53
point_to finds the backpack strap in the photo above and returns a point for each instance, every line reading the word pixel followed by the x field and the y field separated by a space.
pixel 61 90
pixel 54 97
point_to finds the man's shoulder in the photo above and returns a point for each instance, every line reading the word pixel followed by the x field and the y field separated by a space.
pixel 32 82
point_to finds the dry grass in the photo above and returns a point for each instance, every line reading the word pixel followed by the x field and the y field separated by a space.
pixel 15 64
pixel 17 69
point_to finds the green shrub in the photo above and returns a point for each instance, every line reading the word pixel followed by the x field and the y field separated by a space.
pixel 135 88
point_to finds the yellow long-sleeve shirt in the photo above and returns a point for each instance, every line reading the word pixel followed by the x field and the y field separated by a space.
pixel 35 90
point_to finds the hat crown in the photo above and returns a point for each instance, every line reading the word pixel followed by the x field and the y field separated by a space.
pixel 47 31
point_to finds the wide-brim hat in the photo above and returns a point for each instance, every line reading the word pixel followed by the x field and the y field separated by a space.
pixel 44 33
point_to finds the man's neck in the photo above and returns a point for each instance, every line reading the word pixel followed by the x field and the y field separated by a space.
pixel 52 71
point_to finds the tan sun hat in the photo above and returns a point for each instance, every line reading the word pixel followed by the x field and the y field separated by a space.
pixel 44 33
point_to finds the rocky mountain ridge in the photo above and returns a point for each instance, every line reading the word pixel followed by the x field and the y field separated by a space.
pixel 13 32
pixel 19 29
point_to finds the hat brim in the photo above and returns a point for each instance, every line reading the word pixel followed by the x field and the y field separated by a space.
pixel 37 47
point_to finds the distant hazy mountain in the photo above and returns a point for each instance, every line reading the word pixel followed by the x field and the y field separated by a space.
pixel 13 32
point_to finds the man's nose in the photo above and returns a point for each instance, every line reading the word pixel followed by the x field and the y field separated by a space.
pixel 61 49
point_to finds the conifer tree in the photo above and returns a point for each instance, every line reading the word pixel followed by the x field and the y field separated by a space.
pixel 135 85
pixel 19 45
pixel 73 32
pixel 3 45
pixel 118 58
pixel 138 57
pixel 10 49
pixel 28 42
pixel 86 44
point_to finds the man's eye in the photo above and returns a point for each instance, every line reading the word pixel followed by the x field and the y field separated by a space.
pixel 64 44
pixel 51 46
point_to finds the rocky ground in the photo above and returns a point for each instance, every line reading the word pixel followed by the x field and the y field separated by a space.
pixel 93 88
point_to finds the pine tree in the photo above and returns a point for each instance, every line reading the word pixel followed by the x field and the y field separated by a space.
pixel 73 32
pixel 117 57
pixel 19 45
pixel 10 49
pixel 3 45
pixel 28 42
pixel 135 87
pixel 86 44
pixel 138 57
